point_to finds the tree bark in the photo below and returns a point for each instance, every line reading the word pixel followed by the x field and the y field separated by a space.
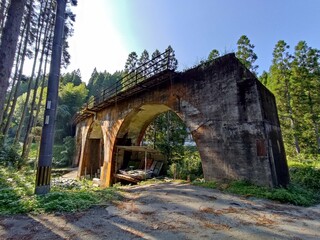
pixel 15 83
pixel 25 107
pixel 32 120
pixel 17 87
pixel 9 40
pixel 290 113
pixel 3 11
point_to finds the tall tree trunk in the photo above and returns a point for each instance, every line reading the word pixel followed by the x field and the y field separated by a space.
pixel 42 86
pixel 3 12
pixel 8 45
pixel 314 121
pixel 292 120
pixel 32 120
pixel 15 97
pixel 43 80
pixel 26 104
pixel 30 139
pixel 16 80
pixel 47 137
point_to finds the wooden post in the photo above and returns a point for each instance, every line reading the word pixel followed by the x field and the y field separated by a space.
pixel 145 164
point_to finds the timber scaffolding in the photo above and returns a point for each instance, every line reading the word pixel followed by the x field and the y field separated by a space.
pixel 150 74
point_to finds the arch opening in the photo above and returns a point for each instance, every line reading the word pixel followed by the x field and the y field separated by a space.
pixel 166 140
pixel 94 152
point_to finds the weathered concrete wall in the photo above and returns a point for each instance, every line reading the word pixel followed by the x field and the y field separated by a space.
pixel 275 144
pixel 232 118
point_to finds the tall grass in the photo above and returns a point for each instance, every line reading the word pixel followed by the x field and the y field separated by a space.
pixel 17 195
pixel 304 189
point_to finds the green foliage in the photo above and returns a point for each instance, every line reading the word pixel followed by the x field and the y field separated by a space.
pixel 73 77
pixel 246 54
pixel 168 133
pixel 206 184
pixel 57 155
pixel 19 109
pixel 306 176
pixel 213 54
pixel 9 155
pixel 294 80
pixel 102 80
pixel 34 151
pixel 187 165
pixel 173 62
pixel 24 84
pixel 138 69
pixel 16 191
pixel 264 78
pixel 304 189
pixel 294 194
pixel 69 150
pixel 17 187
pixel 144 58
pixel 75 200
pixel 304 160
pixel 71 98
pixel 131 63
pixel 63 154
pixel 305 96
pixel 279 82
pixel 156 65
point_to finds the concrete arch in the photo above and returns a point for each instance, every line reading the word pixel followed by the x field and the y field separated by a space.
pixel 134 125
pixel 137 121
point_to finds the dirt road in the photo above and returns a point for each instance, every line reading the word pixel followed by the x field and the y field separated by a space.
pixel 172 211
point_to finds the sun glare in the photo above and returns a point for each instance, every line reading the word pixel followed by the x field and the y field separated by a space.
pixel 97 43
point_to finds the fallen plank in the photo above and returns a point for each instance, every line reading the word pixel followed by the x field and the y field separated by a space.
pixel 126 177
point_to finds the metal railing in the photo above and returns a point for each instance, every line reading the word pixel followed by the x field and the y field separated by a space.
pixel 161 63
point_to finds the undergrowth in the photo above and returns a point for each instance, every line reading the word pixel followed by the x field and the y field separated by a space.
pixel 303 190
pixel 17 192
pixel 293 194
pixel 17 195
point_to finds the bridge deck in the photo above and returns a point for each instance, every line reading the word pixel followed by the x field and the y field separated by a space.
pixel 103 102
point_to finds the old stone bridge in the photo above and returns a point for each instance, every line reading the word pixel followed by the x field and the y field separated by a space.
pixel 231 115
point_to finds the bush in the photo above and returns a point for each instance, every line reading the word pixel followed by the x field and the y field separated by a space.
pixel 63 154
pixel 66 201
pixel 57 156
pixel 9 155
pixel 306 176
pixel 69 150
pixel 305 194
pixel 294 193
pixel 304 160
pixel 186 165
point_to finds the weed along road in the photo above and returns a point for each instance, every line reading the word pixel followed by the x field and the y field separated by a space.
pixel 171 211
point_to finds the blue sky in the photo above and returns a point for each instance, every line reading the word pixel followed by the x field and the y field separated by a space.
pixel 106 31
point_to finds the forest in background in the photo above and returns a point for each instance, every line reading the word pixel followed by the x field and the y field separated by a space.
pixel 293 77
